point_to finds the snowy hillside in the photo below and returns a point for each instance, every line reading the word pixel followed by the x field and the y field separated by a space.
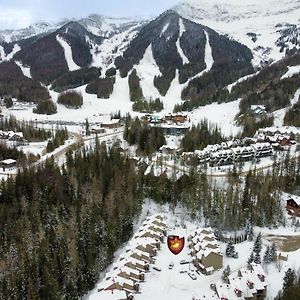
pixel 108 26
pixel 9 36
pixel 254 23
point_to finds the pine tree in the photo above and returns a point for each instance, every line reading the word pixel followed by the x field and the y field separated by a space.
pixel 226 273
pixel 273 252
pixel 258 244
pixel 87 127
pixel 251 258
pixel 230 251
pixel 267 256
pixel 289 279
pixel 257 259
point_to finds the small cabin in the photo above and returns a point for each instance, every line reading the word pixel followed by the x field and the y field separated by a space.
pixel 8 164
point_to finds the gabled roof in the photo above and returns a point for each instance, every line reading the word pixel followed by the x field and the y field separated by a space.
pixel 8 161
pixel 108 295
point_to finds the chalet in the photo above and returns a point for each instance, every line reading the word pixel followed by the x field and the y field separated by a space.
pixel 293 206
pixel 139 255
pixel 112 124
pixel 207 259
pixel 8 164
pixel 148 248
pixel 244 284
pixel 151 234
pixel 262 149
pixel 258 109
pixel 111 295
pixel 205 250
pixel 121 283
pixel 97 130
pixel 135 264
pixel 127 273
pixel 176 118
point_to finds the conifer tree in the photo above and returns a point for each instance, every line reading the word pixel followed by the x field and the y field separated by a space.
pixel 257 258
pixel 230 251
pixel 226 273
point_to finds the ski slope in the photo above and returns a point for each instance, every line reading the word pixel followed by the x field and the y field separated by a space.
pixel 68 54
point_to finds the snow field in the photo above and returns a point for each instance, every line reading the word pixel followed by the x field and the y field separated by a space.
pixel 68 54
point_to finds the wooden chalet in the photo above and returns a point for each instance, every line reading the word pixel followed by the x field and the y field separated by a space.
pixel 112 124
pixel 293 207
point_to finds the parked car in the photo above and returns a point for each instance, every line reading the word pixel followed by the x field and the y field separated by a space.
pixel 182 271
pixel 192 275
pixel 156 268
pixel 183 262
pixel 171 265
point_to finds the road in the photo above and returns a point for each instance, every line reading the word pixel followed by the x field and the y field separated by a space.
pixel 78 141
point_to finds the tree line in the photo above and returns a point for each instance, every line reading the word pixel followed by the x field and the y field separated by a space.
pixel 60 229
pixel 148 139
pixel 30 131
pixel 200 136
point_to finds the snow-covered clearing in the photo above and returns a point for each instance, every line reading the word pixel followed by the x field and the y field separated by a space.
pixel 104 54
pixel 2 53
pixel 68 54
pixel 147 69
pixel 209 61
pixel 185 60
pixel 9 56
pixel 173 95
pixel 291 71
pixel 221 114
pixel 25 70
pixel 279 114
pixel 230 86
pixel 37 148
pixel 164 29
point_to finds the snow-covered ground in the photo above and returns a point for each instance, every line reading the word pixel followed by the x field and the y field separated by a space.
pixel 25 70
pixel 237 18
pixel 279 114
pixel 34 148
pixel 171 284
pixel 221 114
pixel 68 54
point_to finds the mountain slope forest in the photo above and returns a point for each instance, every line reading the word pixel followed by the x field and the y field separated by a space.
pixel 60 229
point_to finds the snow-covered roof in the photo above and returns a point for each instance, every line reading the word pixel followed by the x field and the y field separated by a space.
pixel 258 107
pixel 283 130
pixel 8 161
pixel 207 252
pixel 108 295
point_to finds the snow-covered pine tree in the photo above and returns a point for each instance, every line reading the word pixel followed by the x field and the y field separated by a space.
pixel 251 258
pixel 257 259
pixel 230 250
pixel 226 273
pixel 289 279
pixel 267 256
pixel 257 244
pixel 273 252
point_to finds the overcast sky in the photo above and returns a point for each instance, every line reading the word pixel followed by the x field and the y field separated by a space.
pixel 21 13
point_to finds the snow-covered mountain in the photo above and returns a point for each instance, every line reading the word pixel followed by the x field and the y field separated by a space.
pixel 97 24
pixel 107 26
pixel 9 36
pixel 256 24
pixel 197 53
